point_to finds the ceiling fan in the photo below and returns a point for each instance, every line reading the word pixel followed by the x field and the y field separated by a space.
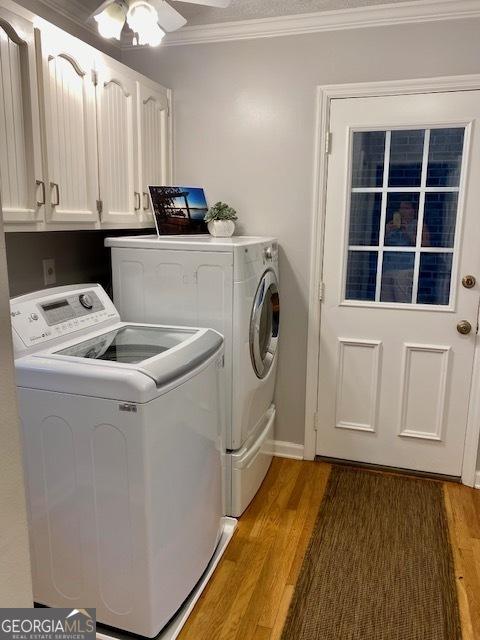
pixel 148 19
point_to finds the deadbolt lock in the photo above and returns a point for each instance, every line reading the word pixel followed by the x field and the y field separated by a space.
pixel 464 327
pixel 469 281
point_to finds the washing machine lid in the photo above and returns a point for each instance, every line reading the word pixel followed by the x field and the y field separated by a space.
pixel 129 362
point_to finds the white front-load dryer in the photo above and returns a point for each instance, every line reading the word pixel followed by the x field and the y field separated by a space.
pixel 230 285
pixel 255 344
pixel 255 341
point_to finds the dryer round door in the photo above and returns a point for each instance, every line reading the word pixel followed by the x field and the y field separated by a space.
pixel 264 324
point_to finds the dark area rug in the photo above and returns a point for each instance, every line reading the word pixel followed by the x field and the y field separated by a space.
pixel 379 565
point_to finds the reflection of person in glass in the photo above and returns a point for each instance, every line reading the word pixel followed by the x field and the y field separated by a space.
pixel 400 231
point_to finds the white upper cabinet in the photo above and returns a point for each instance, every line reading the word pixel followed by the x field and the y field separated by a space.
pixel 81 135
pixel 117 146
pixel 70 129
pixel 21 180
pixel 154 139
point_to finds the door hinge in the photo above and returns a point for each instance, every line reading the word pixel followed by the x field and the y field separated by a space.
pixel 321 290
pixel 328 142
pixel 94 77
pixel 315 421
pixel 100 206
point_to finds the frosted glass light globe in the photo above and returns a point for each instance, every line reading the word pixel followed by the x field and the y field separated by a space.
pixel 110 21
pixel 141 17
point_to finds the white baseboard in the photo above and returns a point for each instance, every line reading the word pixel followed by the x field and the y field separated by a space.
pixel 477 480
pixel 282 449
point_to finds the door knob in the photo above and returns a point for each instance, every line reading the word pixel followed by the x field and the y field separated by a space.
pixel 469 281
pixel 464 327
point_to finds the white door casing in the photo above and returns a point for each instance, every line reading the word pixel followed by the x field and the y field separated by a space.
pixel 118 146
pixel 21 176
pixel 373 403
pixel 153 141
pixel 70 130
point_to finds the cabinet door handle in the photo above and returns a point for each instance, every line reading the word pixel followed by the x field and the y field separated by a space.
pixel 146 205
pixel 138 202
pixel 54 185
pixel 41 183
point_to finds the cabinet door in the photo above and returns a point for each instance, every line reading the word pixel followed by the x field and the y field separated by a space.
pixel 117 142
pixel 20 151
pixel 154 141
pixel 70 128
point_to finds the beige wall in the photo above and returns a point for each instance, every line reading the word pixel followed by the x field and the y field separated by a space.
pixel 244 129
pixel 15 577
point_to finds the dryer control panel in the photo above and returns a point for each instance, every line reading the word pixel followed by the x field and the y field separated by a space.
pixel 46 315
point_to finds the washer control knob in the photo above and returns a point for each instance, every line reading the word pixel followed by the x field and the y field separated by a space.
pixel 85 300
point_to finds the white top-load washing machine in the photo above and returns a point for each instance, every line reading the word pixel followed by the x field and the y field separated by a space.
pixel 231 285
pixel 122 441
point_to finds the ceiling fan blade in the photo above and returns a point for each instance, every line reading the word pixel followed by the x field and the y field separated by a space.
pixel 221 4
pixel 168 17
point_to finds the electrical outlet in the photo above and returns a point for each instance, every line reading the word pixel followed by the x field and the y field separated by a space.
pixel 49 275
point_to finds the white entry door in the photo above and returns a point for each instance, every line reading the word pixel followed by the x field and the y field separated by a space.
pixel 399 314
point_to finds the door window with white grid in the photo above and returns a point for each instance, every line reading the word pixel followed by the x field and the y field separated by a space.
pixel 404 198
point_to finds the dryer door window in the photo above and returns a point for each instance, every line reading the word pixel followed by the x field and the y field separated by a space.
pixel 264 324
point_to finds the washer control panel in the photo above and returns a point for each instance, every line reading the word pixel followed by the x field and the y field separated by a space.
pixel 70 307
pixel 36 320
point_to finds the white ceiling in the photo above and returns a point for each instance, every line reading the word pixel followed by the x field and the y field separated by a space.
pixel 240 9
pixel 250 9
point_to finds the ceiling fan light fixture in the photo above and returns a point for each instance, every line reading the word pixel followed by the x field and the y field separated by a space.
pixel 110 21
pixel 141 16
pixel 149 20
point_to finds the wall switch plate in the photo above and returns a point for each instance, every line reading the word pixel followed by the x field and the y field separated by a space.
pixel 49 274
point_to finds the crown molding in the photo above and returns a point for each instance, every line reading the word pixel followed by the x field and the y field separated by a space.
pixel 75 11
pixel 355 18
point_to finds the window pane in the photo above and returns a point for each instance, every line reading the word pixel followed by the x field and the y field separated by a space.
pixel 434 278
pixel 401 219
pixel 445 157
pixel 361 275
pixel 367 158
pixel 397 276
pixel 365 210
pixel 439 219
pixel 406 154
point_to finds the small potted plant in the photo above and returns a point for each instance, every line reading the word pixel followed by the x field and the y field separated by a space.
pixel 220 220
